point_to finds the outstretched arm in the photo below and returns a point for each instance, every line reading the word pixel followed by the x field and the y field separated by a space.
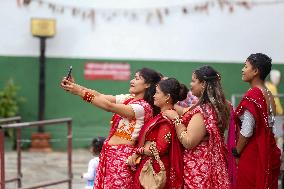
pixel 110 98
pixel 98 99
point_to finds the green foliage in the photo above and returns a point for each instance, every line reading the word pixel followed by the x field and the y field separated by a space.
pixel 9 101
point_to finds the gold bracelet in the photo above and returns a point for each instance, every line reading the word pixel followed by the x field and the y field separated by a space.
pixel 177 121
pixel 182 134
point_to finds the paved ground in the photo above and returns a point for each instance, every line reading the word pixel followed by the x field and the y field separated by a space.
pixel 42 167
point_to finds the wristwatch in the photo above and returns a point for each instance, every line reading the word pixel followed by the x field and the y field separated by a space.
pixel 235 153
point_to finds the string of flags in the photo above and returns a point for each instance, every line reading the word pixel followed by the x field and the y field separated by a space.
pixel 147 14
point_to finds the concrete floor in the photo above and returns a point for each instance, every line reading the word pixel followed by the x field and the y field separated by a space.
pixel 43 167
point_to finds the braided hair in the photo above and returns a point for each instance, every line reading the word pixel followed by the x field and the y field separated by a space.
pixel 213 93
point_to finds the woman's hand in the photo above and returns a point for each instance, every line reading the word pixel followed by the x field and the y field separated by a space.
pixel 131 161
pixel 170 114
pixel 71 87
pixel 72 79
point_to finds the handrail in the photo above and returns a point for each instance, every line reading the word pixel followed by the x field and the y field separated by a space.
pixel 18 127
pixel 10 119
pixel 36 123
pixel 2 155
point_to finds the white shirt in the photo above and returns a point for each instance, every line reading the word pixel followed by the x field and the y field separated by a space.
pixel 91 174
pixel 248 123
pixel 131 127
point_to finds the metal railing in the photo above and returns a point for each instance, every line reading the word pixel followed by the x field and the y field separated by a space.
pixel 18 127
pixel 2 156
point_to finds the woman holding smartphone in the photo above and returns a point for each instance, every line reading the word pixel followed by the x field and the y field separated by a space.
pixel 131 112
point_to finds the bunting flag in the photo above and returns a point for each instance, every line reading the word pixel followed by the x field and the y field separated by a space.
pixel 149 14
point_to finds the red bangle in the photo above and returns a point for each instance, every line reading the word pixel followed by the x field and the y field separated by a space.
pixel 88 97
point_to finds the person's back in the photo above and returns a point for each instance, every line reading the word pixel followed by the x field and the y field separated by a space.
pixel 208 155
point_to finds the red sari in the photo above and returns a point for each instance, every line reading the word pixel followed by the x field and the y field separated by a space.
pixel 162 131
pixel 113 172
pixel 259 164
pixel 205 166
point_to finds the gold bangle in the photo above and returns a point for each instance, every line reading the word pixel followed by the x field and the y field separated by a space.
pixel 177 121
pixel 182 134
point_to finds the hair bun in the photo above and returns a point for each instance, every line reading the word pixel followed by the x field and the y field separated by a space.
pixel 182 92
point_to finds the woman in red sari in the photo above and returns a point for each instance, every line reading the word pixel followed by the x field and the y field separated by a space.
pixel 201 132
pixel 131 113
pixel 257 154
pixel 161 130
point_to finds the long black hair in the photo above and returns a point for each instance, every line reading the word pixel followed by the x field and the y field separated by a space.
pixel 213 93
pixel 150 77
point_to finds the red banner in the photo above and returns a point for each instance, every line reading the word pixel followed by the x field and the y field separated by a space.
pixel 107 71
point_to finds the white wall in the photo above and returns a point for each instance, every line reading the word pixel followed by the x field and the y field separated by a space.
pixel 217 36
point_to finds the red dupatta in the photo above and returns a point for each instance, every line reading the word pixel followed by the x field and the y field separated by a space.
pixel 263 138
pixel 175 150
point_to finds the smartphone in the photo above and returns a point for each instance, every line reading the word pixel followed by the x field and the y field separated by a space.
pixel 68 74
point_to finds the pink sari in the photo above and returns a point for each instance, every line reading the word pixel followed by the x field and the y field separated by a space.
pixel 231 143
pixel 113 172
pixel 205 166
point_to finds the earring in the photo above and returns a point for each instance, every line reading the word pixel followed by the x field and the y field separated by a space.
pixel 202 91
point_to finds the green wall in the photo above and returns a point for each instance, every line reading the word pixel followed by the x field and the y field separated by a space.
pixel 89 121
